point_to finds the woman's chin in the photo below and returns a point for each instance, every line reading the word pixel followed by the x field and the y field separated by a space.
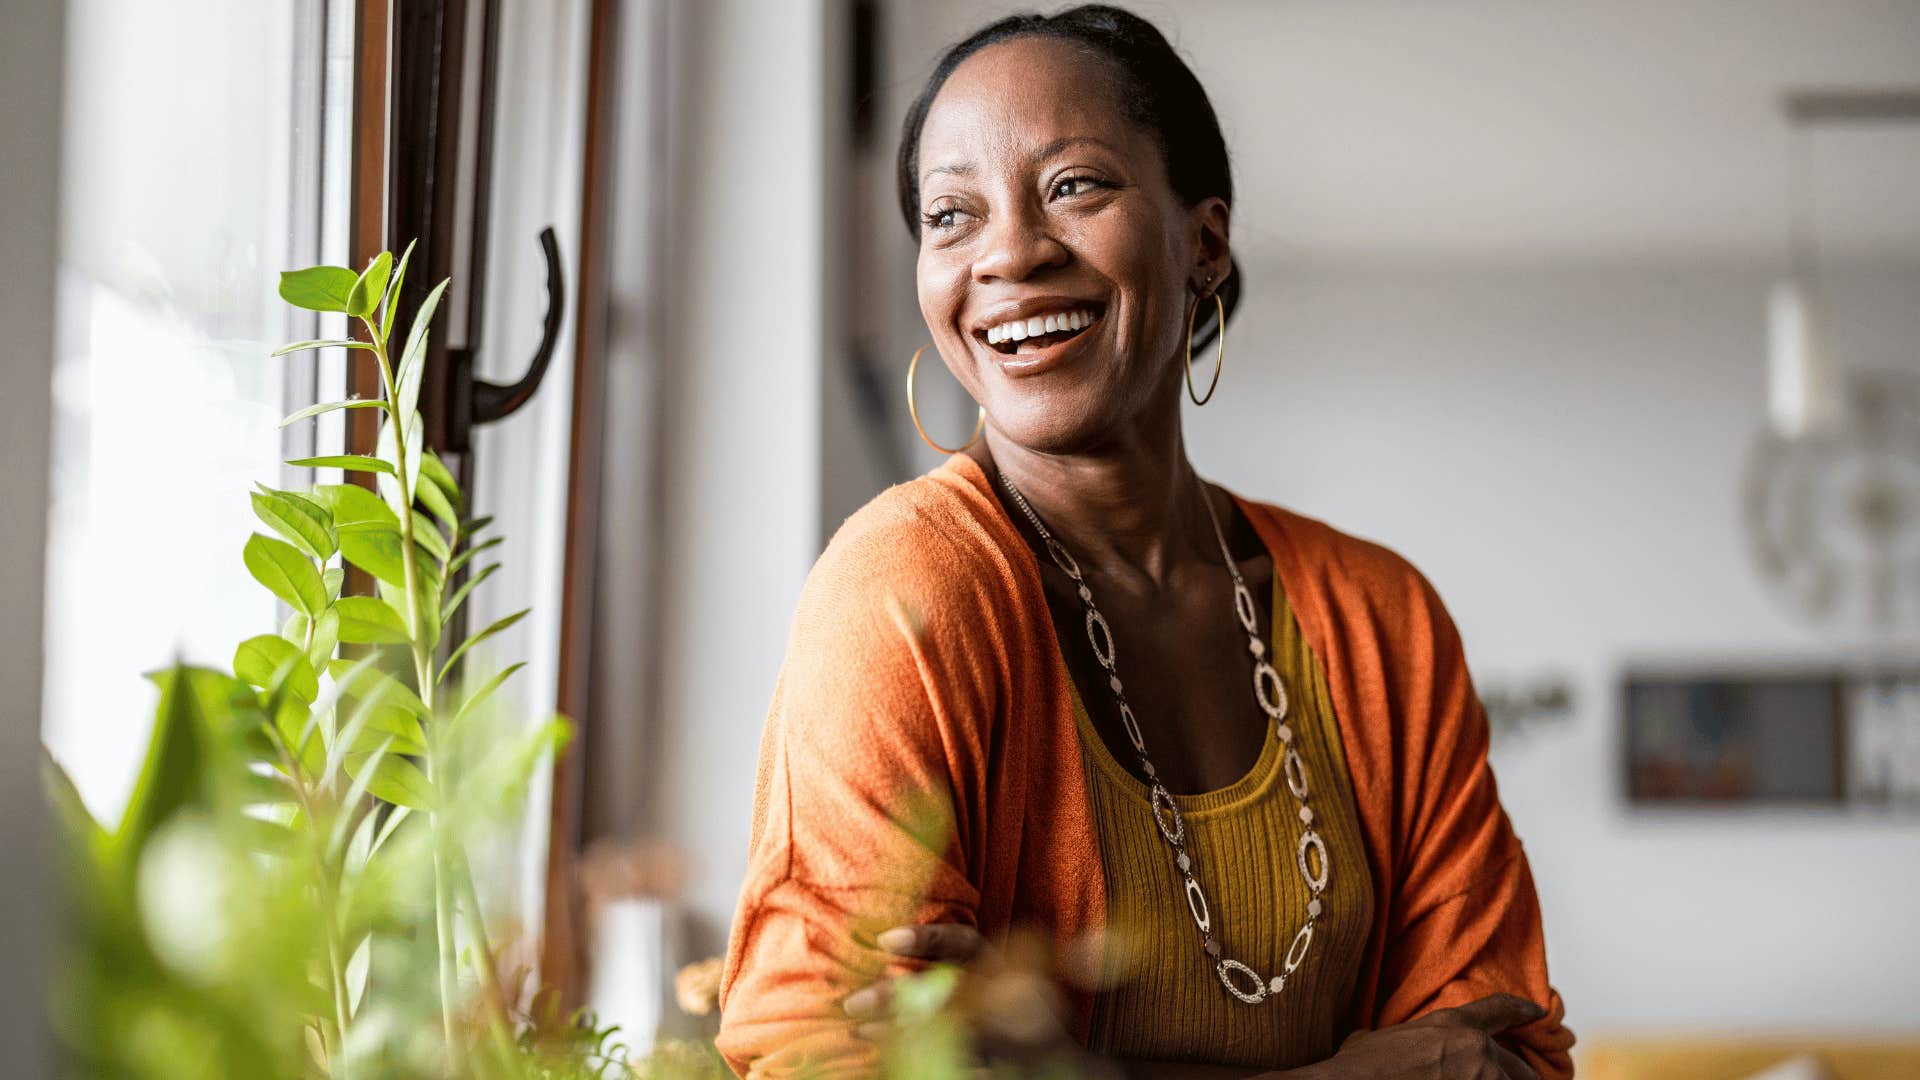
pixel 1051 423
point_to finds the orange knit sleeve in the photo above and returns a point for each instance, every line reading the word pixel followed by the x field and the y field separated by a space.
pixel 1465 920
pixel 855 826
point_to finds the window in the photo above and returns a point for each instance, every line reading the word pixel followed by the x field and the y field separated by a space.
pixel 201 156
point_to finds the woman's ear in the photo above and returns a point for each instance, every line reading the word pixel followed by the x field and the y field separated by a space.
pixel 1212 252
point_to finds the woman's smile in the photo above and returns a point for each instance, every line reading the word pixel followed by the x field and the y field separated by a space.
pixel 1029 336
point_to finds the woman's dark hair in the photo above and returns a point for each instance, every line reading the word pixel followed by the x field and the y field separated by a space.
pixel 1157 91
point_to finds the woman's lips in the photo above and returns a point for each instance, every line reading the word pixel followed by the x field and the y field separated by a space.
pixel 1049 350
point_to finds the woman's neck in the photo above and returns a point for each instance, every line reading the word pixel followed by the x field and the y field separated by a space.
pixel 1130 508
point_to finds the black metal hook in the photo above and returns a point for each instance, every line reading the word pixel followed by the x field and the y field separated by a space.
pixel 476 401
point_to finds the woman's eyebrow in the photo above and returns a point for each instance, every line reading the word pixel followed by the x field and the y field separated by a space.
pixel 964 168
pixel 967 168
pixel 1066 141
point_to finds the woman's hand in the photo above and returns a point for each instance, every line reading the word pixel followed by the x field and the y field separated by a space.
pixel 938 943
pixel 1448 1044
pixel 1006 1000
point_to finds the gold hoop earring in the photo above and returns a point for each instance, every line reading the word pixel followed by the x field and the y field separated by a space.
pixel 1220 339
pixel 914 411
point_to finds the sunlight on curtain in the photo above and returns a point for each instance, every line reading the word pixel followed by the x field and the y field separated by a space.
pixel 193 137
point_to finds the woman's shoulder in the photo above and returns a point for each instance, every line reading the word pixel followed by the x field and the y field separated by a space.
pixel 935 543
pixel 1343 569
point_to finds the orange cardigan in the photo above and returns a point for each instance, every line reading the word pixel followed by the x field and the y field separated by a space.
pixel 920 763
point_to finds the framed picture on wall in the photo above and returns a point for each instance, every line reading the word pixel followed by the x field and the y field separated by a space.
pixel 1730 738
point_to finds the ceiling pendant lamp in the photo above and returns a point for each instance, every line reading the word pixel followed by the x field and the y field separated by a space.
pixel 1803 396
pixel 1832 480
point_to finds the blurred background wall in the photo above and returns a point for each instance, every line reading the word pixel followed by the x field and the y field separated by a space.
pixel 1507 271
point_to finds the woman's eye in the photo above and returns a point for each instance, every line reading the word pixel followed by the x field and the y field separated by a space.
pixel 945 217
pixel 1074 185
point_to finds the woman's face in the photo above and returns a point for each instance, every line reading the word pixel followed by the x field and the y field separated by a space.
pixel 1056 263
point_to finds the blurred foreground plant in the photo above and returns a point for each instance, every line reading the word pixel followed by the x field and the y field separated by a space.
pixel 289 891
pixel 294 859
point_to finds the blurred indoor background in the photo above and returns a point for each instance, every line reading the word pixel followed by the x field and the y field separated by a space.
pixel 1604 314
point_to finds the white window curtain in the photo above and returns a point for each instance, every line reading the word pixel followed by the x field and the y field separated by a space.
pixel 197 149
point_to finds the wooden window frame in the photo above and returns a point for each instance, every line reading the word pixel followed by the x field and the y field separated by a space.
pixel 407 158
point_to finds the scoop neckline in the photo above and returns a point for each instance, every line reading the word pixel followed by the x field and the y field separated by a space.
pixel 1251 786
pixel 1256 782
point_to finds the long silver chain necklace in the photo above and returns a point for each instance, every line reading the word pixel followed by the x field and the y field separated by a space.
pixel 1270 693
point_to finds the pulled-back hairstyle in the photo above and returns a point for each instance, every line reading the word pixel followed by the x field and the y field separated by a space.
pixel 1157 91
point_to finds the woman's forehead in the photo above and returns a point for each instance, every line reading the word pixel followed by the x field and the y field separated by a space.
pixel 1016 100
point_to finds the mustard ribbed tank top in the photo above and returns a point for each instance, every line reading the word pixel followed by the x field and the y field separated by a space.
pixel 1160 996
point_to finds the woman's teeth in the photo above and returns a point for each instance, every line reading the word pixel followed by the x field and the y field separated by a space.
pixel 1022 329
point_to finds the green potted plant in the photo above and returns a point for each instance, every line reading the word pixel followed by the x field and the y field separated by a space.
pixel 289 891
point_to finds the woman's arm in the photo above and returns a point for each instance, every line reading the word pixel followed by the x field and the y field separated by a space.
pixel 1445 1044
pixel 1466 919
pixel 854 827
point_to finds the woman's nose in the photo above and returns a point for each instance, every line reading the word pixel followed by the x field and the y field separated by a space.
pixel 1015 246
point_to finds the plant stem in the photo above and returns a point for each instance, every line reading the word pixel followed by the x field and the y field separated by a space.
pixel 423 673
pixel 329 900
pixel 498 1021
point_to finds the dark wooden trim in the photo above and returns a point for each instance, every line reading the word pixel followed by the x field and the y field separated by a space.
pixel 367 210
pixel 563 965
pixel 424 178
pixel 366 227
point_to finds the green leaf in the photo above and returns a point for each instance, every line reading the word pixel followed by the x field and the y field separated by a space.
pixel 496 627
pixel 415 354
pixel 335 578
pixel 428 590
pixel 370 286
pixel 393 295
pixel 432 496
pixel 470 528
pixel 466 556
pixel 358 965
pixel 286 573
pixel 392 825
pixel 297 727
pixel 174 775
pixel 367 620
pixel 318 288
pixel 475 699
pixel 81 835
pixel 344 461
pixel 366 682
pixel 393 727
pixel 353 505
pixel 308 526
pixel 427 535
pixel 375 549
pixel 921 995
pixel 406 395
pixel 390 489
pixel 460 594
pixel 395 779
pixel 436 470
pixel 270 662
pixel 326 637
pixel 221 700
pixel 332 406
pixel 303 346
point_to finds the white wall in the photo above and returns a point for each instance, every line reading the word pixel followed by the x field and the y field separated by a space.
pixel 740 418
pixel 30 66
pixel 1559 448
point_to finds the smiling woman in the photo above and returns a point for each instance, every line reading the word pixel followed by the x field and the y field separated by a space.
pixel 1033 690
